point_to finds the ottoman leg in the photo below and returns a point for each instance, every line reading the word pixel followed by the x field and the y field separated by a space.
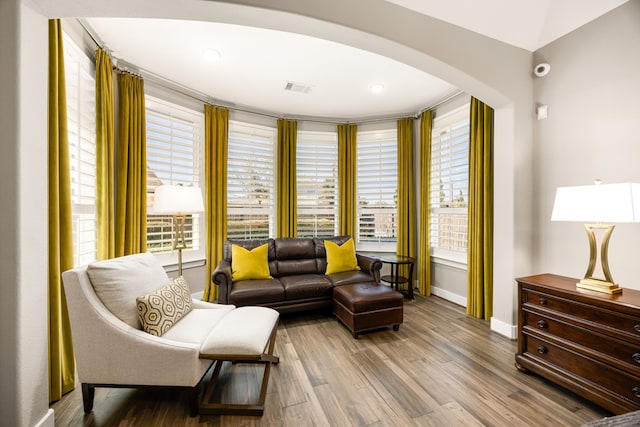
pixel 396 327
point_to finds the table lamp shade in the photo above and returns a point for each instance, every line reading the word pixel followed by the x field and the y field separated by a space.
pixel 171 199
pixel 598 206
pixel 610 203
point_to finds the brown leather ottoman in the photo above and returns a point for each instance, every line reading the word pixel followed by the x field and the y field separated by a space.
pixel 363 307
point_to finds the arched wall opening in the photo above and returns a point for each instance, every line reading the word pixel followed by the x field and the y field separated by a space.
pixel 496 73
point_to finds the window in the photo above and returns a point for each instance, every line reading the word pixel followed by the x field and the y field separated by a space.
pixel 250 181
pixel 449 191
pixel 377 190
pixel 174 157
pixel 81 123
pixel 317 183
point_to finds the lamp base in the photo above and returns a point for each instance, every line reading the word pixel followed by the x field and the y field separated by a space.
pixel 599 286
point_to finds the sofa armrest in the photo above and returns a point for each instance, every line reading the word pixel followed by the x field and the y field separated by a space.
pixel 221 276
pixel 370 265
pixel 196 303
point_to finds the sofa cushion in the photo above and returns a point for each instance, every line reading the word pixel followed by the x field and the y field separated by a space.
pixel 196 325
pixel 251 244
pixel 250 264
pixel 306 286
pixel 119 281
pixel 294 248
pixel 245 331
pixel 319 244
pixel 341 257
pixel 163 308
pixel 349 277
pixel 297 266
pixel 256 292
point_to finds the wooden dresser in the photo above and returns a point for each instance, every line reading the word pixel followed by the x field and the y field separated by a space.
pixel 586 342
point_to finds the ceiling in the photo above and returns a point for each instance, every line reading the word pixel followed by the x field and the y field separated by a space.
pixel 257 64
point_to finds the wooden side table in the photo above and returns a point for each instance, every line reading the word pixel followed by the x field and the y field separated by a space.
pixel 394 279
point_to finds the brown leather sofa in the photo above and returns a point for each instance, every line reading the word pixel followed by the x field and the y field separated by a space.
pixel 297 266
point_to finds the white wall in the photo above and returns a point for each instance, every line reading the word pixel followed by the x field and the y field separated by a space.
pixel 593 131
pixel 23 260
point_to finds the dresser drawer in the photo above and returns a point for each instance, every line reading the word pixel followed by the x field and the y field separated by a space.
pixel 620 353
pixel 597 375
pixel 610 322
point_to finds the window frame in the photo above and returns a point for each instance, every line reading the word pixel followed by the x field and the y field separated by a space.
pixel 458 119
pixel 372 137
pixel 179 114
pixel 82 151
pixel 325 147
pixel 268 136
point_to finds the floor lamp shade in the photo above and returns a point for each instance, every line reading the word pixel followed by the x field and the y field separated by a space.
pixel 178 201
pixel 598 206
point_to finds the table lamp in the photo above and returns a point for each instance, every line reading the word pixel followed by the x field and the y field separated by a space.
pixel 178 201
pixel 598 206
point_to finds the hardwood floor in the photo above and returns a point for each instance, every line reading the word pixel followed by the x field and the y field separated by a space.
pixel 441 368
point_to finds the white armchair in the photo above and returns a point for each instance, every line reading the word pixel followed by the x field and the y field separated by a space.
pixel 112 351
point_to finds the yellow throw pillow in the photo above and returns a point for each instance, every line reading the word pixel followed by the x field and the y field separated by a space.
pixel 250 264
pixel 341 258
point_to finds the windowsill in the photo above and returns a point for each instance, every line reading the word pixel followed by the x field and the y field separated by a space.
pixel 449 262
pixel 376 247
pixel 173 267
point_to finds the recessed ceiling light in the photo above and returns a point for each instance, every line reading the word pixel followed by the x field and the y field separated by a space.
pixel 211 55
pixel 377 88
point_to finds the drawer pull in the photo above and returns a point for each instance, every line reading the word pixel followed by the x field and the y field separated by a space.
pixel 543 301
pixel 542 324
pixel 636 391
pixel 543 350
pixel 637 328
pixel 636 357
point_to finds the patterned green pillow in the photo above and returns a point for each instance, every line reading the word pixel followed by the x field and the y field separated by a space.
pixel 161 309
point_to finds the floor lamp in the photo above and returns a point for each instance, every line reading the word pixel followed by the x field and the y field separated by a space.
pixel 178 201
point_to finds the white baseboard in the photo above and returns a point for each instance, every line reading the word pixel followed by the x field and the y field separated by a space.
pixel 449 296
pixel 48 420
pixel 503 328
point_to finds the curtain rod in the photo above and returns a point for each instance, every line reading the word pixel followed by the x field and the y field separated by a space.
pixel 125 66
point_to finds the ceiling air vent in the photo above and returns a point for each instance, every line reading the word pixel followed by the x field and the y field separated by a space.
pixel 297 87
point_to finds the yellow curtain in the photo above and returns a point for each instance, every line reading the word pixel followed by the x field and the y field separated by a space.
pixel 105 210
pixel 131 190
pixel 216 134
pixel 286 222
pixel 61 358
pixel 424 241
pixel 480 232
pixel 406 201
pixel 347 179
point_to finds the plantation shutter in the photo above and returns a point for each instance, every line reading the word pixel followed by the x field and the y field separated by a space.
pixel 317 175
pixel 377 188
pixel 81 124
pixel 173 158
pixel 250 181
pixel 449 192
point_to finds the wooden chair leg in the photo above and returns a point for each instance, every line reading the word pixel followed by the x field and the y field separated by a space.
pixel 193 395
pixel 88 393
